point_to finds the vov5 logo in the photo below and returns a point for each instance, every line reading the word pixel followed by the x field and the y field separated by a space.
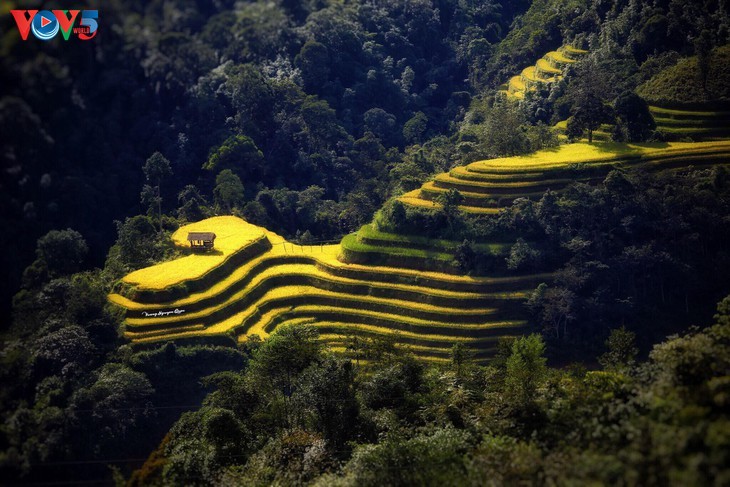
pixel 47 23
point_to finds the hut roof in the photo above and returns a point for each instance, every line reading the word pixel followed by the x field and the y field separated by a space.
pixel 205 236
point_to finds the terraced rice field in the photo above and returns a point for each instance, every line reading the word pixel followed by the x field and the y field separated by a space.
pixel 547 70
pixel 697 125
pixel 488 186
pixel 374 283
pixel 267 282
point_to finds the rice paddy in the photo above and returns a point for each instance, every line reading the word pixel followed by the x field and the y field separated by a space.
pixel 375 284
pixel 232 235
pixel 490 185
pixel 697 125
pixel 548 69
pixel 426 309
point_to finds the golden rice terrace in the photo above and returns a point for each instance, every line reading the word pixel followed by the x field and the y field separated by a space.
pixel 373 283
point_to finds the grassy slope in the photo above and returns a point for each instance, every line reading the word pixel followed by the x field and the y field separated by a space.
pixel 683 108
pixel 680 86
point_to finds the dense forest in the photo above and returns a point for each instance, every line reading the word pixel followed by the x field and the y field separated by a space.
pixel 309 118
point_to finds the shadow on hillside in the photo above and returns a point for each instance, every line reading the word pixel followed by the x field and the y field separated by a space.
pixel 621 148
pixel 204 253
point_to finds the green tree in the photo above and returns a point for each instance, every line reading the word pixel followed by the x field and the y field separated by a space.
pixel 503 131
pixel 522 256
pixel 634 120
pixel 313 61
pixel 433 457
pixel 723 312
pixel 415 128
pixel 119 400
pixel 461 357
pixel 588 92
pixel 192 204
pixel 326 392
pixel 322 129
pixel 228 190
pixel 252 98
pixel 62 251
pixel 541 136
pixel 309 201
pixel 282 357
pixel 239 154
pixel 67 352
pixel 138 243
pixel 450 201
pixel 156 168
pixel 622 351
pixel 381 123
pixel 466 256
pixel 526 369
pixel 703 51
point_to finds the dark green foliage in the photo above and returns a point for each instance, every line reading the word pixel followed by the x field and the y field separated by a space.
pixel 541 136
pixel 293 458
pixel 523 256
pixel 193 206
pixel 466 256
pixel 62 252
pixel 291 350
pixel 525 370
pixel 201 443
pixel 466 424
pixel 240 155
pixel 432 458
pixel 622 351
pixel 589 102
pixel 380 123
pixel 634 122
pixel 703 51
pixel 624 246
pixel 116 405
pixel 415 128
pixel 505 136
pixel 325 397
pixel 156 168
pixel 138 243
pixel 723 312
pixel 313 61
pixel 450 201
pixel 228 190
pixel 64 352
pixel 461 358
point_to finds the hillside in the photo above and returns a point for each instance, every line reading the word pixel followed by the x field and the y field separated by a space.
pixel 266 283
pixel 376 283
pixel 686 103
pixel 682 86
pixel 488 186
pixel 365 243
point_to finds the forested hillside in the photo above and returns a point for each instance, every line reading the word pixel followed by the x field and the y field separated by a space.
pixel 460 242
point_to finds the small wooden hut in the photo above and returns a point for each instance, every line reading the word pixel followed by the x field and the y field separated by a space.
pixel 201 240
